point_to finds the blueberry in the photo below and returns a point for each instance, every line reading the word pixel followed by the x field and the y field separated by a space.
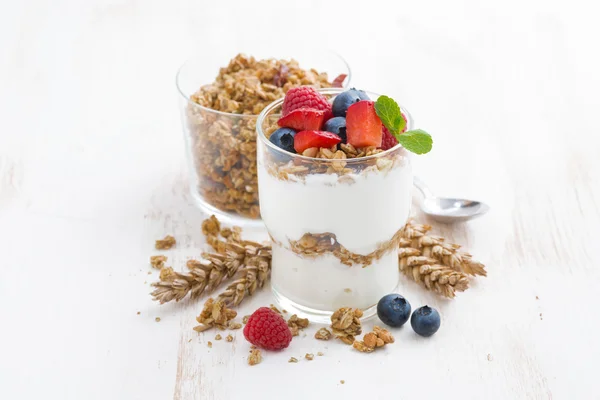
pixel 345 99
pixel 284 139
pixel 337 125
pixel 362 95
pixel 393 310
pixel 425 321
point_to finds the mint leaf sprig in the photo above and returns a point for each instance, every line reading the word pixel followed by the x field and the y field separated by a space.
pixel 416 141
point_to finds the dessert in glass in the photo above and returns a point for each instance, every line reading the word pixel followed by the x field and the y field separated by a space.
pixel 219 122
pixel 335 191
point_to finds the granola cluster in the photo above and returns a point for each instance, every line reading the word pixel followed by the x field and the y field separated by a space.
pixel 345 324
pixel 215 313
pixel 224 145
pixel 313 245
pixel 323 334
pixel 166 243
pixel 373 340
pixel 255 357
pixel 336 163
pixel 158 262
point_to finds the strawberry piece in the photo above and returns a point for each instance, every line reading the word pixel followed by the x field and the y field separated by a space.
pixel 339 80
pixel 303 119
pixel 363 126
pixel 307 139
pixel 388 140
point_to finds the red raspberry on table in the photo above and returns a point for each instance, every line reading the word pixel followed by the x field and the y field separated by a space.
pixel 268 330
pixel 388 140
pixel 305 97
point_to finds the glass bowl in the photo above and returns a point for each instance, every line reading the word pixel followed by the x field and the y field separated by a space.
pixel 334 221
pixel 221 146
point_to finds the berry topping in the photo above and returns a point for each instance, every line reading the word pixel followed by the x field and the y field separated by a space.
pixel 363 126
pixel 303 119
pixel 425 321
pixel 307 139
pixel 345 99
pixel 393 310
pixel 337 125
pixel 388 140
pixel 284 139
pixel 304 97
pixel 268 330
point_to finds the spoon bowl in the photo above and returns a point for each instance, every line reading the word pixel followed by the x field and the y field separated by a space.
pixel 453 210
pixel 447 209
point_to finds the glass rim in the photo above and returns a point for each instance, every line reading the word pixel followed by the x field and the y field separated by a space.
pixel 263 138
pixel 189 101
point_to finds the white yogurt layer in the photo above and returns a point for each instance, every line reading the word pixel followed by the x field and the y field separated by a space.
pixel 323 283
pixel 362 215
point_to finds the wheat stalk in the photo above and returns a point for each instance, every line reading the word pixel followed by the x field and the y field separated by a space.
pixel 231 256
pixel 425 271
pixel 252 276
pixel 436 247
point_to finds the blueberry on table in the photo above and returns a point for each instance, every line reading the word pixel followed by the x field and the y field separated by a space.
pixel 393 310
pixel 284 139
pixel 425 321
pixel 345 99
pixel 337 125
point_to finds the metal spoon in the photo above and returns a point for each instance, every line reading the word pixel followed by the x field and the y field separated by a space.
pixel 445 209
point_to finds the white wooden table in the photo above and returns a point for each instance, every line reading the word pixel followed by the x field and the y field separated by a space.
pixel 92 172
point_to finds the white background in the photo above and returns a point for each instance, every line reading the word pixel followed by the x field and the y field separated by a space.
pixel 92 172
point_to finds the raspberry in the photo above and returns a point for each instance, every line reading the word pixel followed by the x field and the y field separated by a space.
pixel 305 97
pixel 268 330
pixel 388 140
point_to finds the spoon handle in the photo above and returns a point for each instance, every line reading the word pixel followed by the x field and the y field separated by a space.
pixel 423 188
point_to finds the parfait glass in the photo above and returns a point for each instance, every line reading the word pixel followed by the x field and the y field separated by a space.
pixel 334 222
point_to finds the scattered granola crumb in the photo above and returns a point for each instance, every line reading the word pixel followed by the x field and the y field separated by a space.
pixel 149 272
pixel 296 324
pixel 158 261
pixel 189 340
pixel 218 337
pixel 541 317
pixel 489 357
pixel 348 290
pixel 320 353
pixel 309 356
pixel 253 347
pixel 138 313
pixel 245 319
pixel 323 334
pixel 157 319
pixel 284 311
pixel 229 338
pixel 234 325
pixel 166 243
pixel 537 298
pixel 255 357
pixel 209 344
pixel 272 307
pixel 342 381
pixel 293 360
